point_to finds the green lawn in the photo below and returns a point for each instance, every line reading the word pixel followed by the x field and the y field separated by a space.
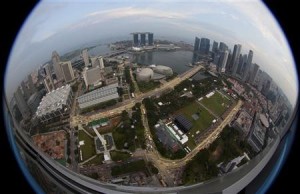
pixel 88 149
pixel 216 103
pixel 204 121
pixel 147 86
pixel 97 160
pixel 117 155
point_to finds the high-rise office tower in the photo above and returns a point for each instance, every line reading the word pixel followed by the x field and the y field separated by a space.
pixel 215 47
pixel 235 58
pixel 101 63
pixel 135 39
pixel 248 65
pixel 227 66
pixel 31 86
pixel 97 61
pixel 204 45
pixel 253 73
pixel 223 61
pixel 222 47
pixel 143 39
pixel 197 44
pixel 25 90
pixel 216 58
pixel 47 70
pixel 67 70
pixel 85 56
pixel 245 57
pixel 48 83
pixel 21 103
pixel 150 39
pixel 56 65
pixel 266 87
pixel 240 65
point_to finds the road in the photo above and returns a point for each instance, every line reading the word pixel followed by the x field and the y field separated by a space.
pixel 166 166
pixel 128 104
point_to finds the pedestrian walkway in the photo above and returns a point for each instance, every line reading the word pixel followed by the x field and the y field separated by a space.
pixel 91 158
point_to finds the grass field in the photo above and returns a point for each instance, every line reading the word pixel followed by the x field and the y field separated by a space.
pixel 88 149
pixel 216 103
pixel 117 155
pixel 204 121
pixel 97 160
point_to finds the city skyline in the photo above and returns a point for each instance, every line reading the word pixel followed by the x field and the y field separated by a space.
pixel 149 96
pixel 44 32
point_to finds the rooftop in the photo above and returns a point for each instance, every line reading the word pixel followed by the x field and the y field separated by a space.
pixel 264 120
pixel 101 92
pixel 54 100
pixel 99 95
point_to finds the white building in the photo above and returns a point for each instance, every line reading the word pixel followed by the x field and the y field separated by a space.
pixel 85 56
pixel 97 61
pixel 48 83
pixel 144 74
pixel 67 71
pixel 92 76
pixel 56 65
pixel 98 96
pixel 55 104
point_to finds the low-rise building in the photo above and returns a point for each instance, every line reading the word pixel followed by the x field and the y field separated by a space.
pixel 98 96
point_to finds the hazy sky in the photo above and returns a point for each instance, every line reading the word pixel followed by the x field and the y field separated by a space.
pixel 66 25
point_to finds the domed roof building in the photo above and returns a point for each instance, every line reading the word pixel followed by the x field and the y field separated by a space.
pixel 144 74
pixel 164 70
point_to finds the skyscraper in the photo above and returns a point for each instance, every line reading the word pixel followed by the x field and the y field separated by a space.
pixel 143 39
pixel 248 65
pixel 197 44
pixel 235 58
pixel 227 66
pixel 67 70
pixel 31 86
pixel 48 83
pixel 135 39
pixel 223 61
pixel 101 63
pixel 253 73
pixel 240 65
pixel 47 70
pixel 25 90
pixel 150 39
pixel 266 88
pixel 56 65
pixel 204 45
pixel 215 47
pixel 222 47
pixel 85 56
pixel 21 103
